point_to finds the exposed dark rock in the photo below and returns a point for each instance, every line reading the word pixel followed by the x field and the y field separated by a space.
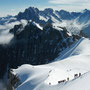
pixel 33 46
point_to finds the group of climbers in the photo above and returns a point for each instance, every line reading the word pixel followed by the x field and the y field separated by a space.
pixel 65 80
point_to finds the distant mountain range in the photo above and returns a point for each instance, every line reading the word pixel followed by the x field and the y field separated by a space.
pixel 73 21
pixel 37 15
pixel 49 15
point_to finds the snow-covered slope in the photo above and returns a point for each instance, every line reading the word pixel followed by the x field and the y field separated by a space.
pixel 47 76
pixel 80 47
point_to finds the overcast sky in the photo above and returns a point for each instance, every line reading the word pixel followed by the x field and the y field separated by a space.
pixel 14 6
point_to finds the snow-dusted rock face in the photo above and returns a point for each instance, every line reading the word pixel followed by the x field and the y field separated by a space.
pixel 84 17
pixel 32 13
pixel 29 14
pixel 7 19
pixel 86 31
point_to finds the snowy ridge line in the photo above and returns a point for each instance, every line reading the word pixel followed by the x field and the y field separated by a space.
pixel 63 56
pixel 76 45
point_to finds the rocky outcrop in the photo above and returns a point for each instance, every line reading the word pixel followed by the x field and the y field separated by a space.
pixel 13 80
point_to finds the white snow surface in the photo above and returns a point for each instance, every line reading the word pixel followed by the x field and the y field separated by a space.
pixel 73 60
pixel 43 18
pixel 37 25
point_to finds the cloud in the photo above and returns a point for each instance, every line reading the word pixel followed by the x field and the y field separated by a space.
pixel 68 2
pixel 12 10
pixel 9 25
pixel 73 26
pixel 5 36
pixel 70 5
